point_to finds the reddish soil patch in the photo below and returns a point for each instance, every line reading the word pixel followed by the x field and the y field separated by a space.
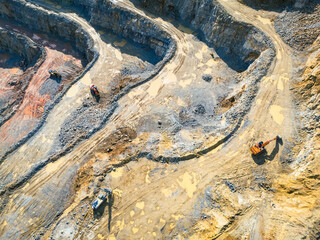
pixel 9 84
pixel 38 93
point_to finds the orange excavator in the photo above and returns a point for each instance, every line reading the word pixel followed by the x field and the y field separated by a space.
pixel 259 147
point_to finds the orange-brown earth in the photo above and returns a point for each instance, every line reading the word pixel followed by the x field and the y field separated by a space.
pixel 218 191
pixel 33 104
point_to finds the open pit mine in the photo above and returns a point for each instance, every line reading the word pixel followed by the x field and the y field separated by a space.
pixel 159 119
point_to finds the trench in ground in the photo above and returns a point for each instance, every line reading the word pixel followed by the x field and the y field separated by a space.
pixel 123 44
pixel 171 14
pixel 46 40
pixel 62 56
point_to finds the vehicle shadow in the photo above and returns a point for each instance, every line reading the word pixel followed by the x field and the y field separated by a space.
pixel 57 79
pixel 98 213
pixel 110 204
pixel 264 156
pixel 95 96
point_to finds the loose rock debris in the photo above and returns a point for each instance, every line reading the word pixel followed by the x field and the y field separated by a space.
pixel 174 121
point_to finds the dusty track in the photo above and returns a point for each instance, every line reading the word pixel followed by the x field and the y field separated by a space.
pixel 161 208
pixel 101 71
pixel 278 79
pixel 164 201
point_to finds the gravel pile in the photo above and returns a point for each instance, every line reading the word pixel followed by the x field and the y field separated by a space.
pixel 299 28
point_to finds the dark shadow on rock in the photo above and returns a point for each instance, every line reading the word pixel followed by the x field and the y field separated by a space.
pixel 259 159
pixel 55 78
pixel 8 61
pixel 142 51
pixel 98 213
pixel 279 6
pixel 97 97
pixel 264 156
pixel 269 5
pixel 233 60
pixel 110 204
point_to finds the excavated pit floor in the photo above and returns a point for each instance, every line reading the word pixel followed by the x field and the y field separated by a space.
pixel 198 58
pixel 41 89
pixel 10 71
pixel 55 58
pixel 224 193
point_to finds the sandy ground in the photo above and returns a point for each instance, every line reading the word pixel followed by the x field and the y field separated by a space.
pixel 154 200
pixel 32 107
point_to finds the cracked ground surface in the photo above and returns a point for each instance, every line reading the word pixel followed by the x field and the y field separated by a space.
pixel 178 169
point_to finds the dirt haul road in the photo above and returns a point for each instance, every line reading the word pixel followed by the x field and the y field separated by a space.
pixel 153 199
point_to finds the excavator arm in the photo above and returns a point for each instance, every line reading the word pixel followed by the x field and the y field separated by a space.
pixel 267 142
pixel 256 150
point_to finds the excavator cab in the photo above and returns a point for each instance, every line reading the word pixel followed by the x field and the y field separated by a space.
pixel 94 92
pixel 54 74
pixel 259 147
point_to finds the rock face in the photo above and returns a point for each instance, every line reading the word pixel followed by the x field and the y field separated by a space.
pixel 299 29
pixel 109 16
pixel 237 43
pixel 18 44
pixel 268 3
pixel 105 15
pixel 309 90
pixel 277 4
pixel 128 24
pixel 32 56
pixel 49 22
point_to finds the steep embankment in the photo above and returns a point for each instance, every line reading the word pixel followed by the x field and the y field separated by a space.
pixel 172 142
pixel 12 10
pixel 237 43
pixel 107 66
pixel 299 27
pixel 29 56
pixel 84 108
pixel 107 16
pixel 15 43
pixel 48 22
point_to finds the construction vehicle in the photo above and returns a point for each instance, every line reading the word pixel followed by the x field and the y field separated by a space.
pixel 94 91
pixel 54 74
pixel 102 196
pixel 259 147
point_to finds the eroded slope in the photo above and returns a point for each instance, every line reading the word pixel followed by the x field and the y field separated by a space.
pixel 170 139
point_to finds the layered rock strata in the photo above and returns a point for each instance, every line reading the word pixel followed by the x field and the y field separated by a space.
pixel 38 19
pixel 18 44
pixel 107 15
pixel 32 56
pixel 299 28
pixel 238 43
